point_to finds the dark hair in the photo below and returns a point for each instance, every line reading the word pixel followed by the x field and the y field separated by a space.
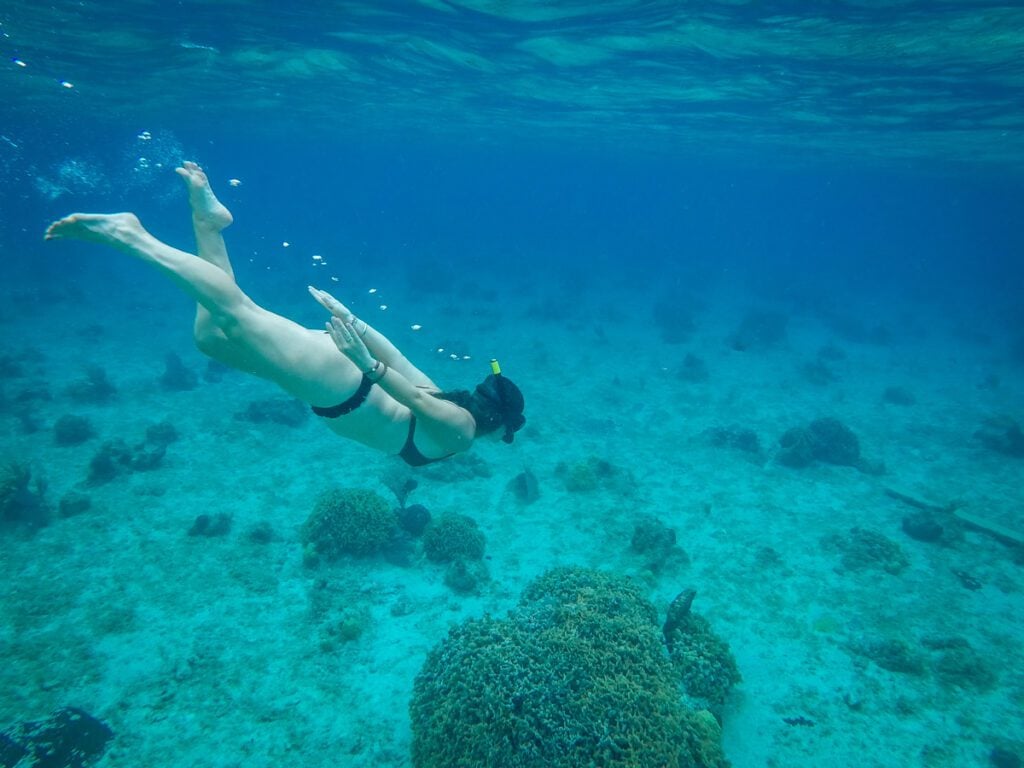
pixel 496 402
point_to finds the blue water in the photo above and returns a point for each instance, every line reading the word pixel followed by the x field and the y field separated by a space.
pixel 531 182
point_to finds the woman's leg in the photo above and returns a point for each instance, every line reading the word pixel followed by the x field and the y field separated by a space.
pixel 303 362
pixel 209 218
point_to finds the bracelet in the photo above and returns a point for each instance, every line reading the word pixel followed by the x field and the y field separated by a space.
pixel 377 366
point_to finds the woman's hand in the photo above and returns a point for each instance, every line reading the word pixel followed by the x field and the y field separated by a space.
pixel 345 338
pixel 332 305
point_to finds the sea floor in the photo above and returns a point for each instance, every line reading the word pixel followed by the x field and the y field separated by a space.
pixel 217 651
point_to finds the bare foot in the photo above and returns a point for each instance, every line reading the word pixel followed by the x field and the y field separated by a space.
pixel 207 210
pixel 115 229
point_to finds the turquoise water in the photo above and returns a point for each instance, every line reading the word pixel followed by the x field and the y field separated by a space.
pixel 688 231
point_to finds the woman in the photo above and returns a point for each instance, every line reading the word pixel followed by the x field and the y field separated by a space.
pixel 369 393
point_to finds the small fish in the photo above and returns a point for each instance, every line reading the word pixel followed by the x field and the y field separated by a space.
pixel 7 141
pixel 235 182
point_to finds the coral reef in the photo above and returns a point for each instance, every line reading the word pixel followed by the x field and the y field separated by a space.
pixel 465 576
pixel 348 522
pixel 576 675
pixel 69 738
pixel 95 388
pixel 702 659
pixel 592 474
pixel 656 542
pixel 1002 435
pixel 453 537
pixel 211 526
pixel 176 377
pixel 863 549
pixel 262 533
pixel 115 456
pixel 71 430
pixel 827 440
pixel 22 500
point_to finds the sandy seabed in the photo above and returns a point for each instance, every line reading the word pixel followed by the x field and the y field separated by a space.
pixel 218 651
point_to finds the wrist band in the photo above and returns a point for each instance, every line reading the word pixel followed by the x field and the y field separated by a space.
pixel 377 366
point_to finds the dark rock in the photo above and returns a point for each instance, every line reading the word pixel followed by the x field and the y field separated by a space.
pixel 525 487
pixel 72 430
pixel 1002 435
pixel 94 388
pixel 413 519
pixel 69 738
pixel 176 377
pixel 1004 758
pixel 922 527
pixel 797 448
pixel 835 442
pixel 827 440
pixel 211 525
pixel 262 533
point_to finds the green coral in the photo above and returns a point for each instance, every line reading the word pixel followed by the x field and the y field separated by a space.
pixel 863 549
pixel 576 675
pixel 453 537
pixel 703 660
pixel 348 522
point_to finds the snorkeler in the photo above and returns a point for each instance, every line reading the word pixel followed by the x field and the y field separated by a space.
pixel 369 393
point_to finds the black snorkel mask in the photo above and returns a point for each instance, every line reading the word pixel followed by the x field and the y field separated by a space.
pixel 506 396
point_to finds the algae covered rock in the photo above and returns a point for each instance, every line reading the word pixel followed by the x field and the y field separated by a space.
pixel 575 675
pixel 349 522
pixel 453 537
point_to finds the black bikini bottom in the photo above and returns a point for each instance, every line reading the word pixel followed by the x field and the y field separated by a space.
pixel 357 399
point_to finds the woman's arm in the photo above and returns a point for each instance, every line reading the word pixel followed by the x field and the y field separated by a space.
pixel 376 342
pixel 447 424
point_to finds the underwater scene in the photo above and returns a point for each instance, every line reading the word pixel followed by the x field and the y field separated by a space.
pixel 454 383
